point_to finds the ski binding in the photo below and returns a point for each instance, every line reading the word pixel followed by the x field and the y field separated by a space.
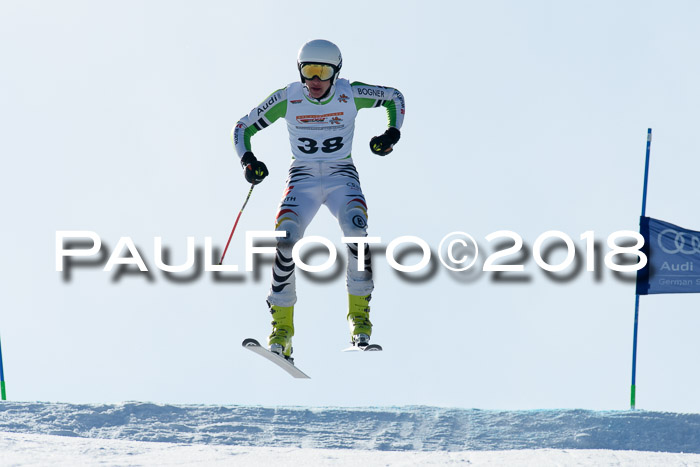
pixel 364 348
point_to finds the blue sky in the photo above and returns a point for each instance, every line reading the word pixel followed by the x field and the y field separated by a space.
pixel 520 116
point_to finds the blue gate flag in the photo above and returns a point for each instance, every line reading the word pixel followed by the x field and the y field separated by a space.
pixel 673 255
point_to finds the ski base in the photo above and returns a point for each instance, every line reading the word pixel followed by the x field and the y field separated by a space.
pixel 286 365
pixel 366 348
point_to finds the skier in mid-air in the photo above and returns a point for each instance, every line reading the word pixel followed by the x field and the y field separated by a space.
pixel 320 111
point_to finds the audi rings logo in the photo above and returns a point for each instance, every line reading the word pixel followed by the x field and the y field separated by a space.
pixel 683 242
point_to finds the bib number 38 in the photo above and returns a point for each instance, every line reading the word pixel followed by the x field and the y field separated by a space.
pixel 310 146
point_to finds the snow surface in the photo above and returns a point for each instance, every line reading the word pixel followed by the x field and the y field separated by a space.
pixel 116 434
pixel 25 449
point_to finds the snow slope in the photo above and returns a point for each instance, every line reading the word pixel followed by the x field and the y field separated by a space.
pixel 185 434
pixel 25 449
pixel 394 428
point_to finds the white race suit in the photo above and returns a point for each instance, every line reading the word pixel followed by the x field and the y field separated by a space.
pixel 322 170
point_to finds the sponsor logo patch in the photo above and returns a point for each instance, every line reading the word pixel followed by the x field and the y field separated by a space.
pixel 371 92
pixel 333 118
pixel 268 104
pixel 359 221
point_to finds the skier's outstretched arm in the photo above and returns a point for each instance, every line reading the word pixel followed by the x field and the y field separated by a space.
pixel 262 116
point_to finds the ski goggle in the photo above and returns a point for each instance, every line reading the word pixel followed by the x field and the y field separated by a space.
pixel 324 72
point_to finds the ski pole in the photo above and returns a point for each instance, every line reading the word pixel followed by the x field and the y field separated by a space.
pixel 236 223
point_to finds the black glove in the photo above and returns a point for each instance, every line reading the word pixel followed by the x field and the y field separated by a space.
pixel 384 144
pixel 254 170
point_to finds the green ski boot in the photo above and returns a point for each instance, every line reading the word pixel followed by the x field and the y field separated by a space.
pixel 358 319
pixel 280 341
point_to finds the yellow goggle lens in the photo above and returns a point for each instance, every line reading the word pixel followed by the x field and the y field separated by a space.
pixel 324 72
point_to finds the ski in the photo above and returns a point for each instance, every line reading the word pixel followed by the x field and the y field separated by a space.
pixel 286 365
pixel 366 348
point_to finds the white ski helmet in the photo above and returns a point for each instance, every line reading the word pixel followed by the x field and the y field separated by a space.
pixel 320 51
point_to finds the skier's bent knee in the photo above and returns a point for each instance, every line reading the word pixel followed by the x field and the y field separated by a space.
pixel 354 223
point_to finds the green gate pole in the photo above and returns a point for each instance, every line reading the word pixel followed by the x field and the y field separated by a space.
pixel 2 377
pixel 633 388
